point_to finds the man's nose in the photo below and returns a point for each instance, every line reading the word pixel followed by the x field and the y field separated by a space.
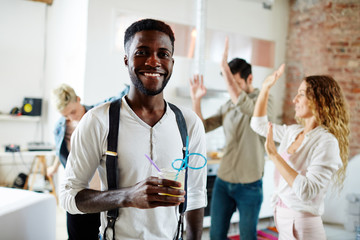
pixel 71 118
pixel 153 61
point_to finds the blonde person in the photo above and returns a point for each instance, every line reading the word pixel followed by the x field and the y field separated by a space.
pixel 66 101
pixel 311 154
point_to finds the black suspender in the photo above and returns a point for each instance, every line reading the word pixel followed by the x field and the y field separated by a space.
pixel 183 132
pixel 112 170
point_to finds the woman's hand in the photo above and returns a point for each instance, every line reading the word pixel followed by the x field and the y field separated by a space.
pixel 269 143
pixel 197 88
pixel 271 79
pixel 288 173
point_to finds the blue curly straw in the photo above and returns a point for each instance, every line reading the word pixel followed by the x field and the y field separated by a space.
pixel 185 161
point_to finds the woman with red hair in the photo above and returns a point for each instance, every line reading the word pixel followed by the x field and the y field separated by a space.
pixel 311 154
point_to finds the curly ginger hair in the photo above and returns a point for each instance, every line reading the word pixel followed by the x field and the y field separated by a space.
pixel 331 111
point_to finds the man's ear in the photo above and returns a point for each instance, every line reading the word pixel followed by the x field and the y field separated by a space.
pixel 249 79
pixel 126 60
pixel 78 99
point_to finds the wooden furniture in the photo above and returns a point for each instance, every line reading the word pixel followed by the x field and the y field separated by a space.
pixel 38 162
pixel 40 167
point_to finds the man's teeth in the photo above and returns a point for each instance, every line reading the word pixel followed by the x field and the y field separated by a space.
pixel 152 74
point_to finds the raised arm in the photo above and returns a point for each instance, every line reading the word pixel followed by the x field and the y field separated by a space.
pixel 262 100
pixel 197 92
pixel 233 88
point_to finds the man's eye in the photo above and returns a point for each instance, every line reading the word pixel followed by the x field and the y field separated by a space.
pixel 140 52
pixel 164 54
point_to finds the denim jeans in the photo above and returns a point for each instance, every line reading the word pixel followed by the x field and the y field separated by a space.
pixel 226 197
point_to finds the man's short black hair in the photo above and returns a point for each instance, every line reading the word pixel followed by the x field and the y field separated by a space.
pixel 238 65
pixel 148 24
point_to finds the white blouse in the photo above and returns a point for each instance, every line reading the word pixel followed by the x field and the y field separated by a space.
pixel 316 161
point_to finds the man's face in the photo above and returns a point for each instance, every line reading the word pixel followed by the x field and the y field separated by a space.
pixel 149 61
pixel 74 111
pixel 242 83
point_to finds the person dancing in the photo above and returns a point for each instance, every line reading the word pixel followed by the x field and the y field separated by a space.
pixel 311 153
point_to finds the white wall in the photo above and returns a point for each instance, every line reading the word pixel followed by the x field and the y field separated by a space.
pixel 29 33
pixel 66 52
pixel 21 65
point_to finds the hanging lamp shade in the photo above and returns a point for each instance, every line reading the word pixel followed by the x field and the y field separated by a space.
pixel 44 1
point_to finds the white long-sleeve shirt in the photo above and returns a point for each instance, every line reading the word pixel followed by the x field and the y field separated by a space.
pixel 316 160
pixel 161 142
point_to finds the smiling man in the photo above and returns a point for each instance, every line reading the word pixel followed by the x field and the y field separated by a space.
pixel 147 126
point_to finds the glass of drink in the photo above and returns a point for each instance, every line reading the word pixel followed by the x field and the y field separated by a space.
pixel 172 174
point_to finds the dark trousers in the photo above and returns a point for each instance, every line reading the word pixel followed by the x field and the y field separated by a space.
pixel 83 226
pixel 226 197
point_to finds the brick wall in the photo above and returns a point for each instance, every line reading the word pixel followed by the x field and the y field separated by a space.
pixel 324 38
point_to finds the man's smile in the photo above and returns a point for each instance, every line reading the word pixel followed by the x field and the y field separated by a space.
pixel 152 74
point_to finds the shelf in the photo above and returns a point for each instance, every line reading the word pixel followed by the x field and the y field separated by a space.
pixel 7 117
pixel 25 153
pixel 210 93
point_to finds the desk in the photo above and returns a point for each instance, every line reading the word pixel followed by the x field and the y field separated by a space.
pixel 27 215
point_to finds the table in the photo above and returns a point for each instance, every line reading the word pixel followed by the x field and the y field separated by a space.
pixel 27 215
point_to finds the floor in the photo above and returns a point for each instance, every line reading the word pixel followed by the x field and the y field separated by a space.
pixel 61 232
pixel 333 232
